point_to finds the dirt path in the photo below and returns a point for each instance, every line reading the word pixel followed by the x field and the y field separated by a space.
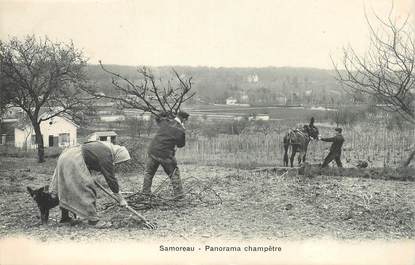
pixel 253 206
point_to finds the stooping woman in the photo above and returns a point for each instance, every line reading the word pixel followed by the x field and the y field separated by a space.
pixel 73 183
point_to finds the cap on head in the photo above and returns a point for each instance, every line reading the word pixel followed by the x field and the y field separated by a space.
pixel 339 130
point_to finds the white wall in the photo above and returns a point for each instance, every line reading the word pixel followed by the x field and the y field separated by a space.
pixel 21 136
pixel 54 127
pixel 58 125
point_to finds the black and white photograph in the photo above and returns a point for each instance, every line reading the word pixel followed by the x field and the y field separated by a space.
pixel 207 132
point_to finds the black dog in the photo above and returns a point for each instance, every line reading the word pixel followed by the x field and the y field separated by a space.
pixel 45 201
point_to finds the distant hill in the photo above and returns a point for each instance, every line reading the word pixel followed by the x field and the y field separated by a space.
pixel 216 84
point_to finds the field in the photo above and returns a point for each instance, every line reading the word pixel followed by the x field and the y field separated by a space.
pixel 235 192
pixel 223 201
pixel 262 146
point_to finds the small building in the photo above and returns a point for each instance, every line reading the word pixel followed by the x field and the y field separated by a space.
pixel 58 131
pixel 231 101
pixel 258 117
pixel 253 78
pixel 107 136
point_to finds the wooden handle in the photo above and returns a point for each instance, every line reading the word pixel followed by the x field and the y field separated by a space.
pixel 116 199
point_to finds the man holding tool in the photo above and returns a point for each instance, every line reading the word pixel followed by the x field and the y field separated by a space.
pixel 161 151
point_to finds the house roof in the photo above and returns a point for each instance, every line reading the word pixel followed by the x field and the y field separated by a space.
pixel 21 124
pixel 63 116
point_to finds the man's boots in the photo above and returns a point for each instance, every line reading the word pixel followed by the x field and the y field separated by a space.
pixel 177 185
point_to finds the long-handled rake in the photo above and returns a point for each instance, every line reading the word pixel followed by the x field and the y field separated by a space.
pixel 147 224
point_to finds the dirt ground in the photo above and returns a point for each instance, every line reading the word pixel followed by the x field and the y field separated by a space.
pixel 222 204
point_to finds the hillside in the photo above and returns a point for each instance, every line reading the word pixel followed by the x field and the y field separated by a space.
pixel 216 84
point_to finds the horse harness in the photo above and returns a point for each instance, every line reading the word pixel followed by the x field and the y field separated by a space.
pixel 297 131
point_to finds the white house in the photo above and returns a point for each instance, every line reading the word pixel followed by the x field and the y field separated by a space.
pixel 231 101
pixel 108 136
pixel 253 78
pixel 58 131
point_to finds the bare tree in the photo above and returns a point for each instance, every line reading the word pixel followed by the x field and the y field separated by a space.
pixel 43 76
pixel 150 94
pixel 387 70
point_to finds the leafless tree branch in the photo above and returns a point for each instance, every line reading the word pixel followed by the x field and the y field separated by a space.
pixel 148 93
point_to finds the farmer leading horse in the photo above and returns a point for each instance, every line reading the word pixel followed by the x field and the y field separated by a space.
pixel 298 139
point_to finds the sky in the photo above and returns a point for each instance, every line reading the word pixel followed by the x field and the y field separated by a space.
pixel 215 33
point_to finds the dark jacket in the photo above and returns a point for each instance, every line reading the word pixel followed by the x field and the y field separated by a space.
pixel 337 143
pixel 169 135
pixel 98 157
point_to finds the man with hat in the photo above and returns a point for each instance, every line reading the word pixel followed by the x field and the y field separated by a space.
pixel 162 149
pixel 335 149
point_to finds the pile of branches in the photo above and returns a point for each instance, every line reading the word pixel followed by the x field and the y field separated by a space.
pixel 196 193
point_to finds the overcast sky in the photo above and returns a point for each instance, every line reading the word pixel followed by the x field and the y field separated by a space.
pixel 242 33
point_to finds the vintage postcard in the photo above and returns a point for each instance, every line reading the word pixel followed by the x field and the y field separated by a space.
pixel 207 132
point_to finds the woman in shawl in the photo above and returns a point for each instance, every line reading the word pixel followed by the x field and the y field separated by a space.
pixel 72 181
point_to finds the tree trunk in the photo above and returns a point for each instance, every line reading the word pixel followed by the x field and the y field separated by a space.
pixel 39 142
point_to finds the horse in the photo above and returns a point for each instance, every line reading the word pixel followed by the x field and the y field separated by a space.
pixel 298 139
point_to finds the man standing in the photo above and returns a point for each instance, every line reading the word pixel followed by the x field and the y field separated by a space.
pixel 161 151
pixel 335 149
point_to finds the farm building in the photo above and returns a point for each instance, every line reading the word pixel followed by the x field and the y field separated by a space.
pixel 58 131
pixel 231 101
pixel 108 136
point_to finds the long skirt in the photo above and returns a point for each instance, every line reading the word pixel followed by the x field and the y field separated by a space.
pixel 74 185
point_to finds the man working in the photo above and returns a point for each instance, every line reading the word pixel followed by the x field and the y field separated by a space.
pixel 335 149
pixel 161 151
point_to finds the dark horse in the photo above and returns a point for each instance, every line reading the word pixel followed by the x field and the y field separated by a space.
pixel 298 139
